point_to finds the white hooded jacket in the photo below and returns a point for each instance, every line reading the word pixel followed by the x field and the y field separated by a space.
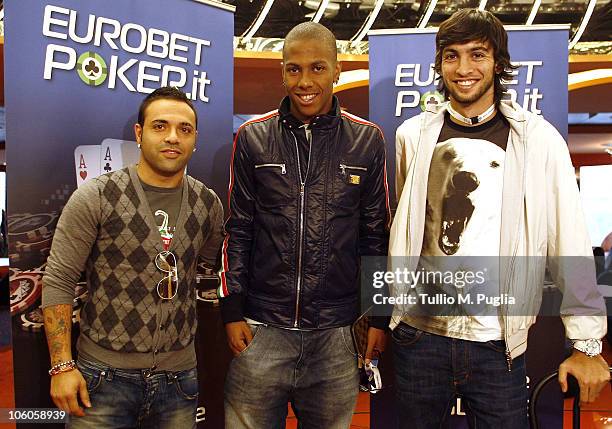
pixel 541 216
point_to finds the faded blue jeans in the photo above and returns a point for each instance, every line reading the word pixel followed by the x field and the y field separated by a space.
pixel 431 370
pixel 314 370
pixel 133 398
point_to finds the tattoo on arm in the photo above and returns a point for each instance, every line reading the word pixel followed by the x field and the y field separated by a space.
pixel 58 324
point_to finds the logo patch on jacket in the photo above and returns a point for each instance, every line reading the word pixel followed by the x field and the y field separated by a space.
pixel 354 179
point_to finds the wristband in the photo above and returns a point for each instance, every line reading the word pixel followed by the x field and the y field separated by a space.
pixel 62 367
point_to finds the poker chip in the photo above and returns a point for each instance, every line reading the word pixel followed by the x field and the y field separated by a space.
pixel 32 227
pixel 25 289
pixel 206 278
pixel 33 321
pixel 209 295
pixel 205 271
pixel 13 271
pixel 17 216
pixel 30 262
pixel 41 244
pixel 44 253
pixel 39 269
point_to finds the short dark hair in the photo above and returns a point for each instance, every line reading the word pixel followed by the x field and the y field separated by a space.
pixel 165 92
pixel 467 25
pixel 312 31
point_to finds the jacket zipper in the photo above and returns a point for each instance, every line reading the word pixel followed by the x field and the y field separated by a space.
pixel 344 167
pixel 412 185
pixel 511 270
pixel 301 223
pixel 281 166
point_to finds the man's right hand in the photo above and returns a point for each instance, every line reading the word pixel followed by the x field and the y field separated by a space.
pixel 239 336
pixel 66 387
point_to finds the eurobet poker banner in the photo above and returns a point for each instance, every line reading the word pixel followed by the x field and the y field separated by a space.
pixel 403 80
pixel 76 72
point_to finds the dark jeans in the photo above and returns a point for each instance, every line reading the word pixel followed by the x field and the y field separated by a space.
pixel 131 398
pixel 314 370
pixel 431 370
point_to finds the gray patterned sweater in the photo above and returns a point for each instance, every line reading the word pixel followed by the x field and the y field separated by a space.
pixel 108 230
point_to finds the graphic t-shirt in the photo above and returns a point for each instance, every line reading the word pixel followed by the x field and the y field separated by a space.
pixel 165 203
pixel 462 232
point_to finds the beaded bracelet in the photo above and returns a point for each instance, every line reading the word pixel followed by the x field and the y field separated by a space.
pixel 62 367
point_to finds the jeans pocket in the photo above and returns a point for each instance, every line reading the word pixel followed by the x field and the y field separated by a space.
pixel 347 340
pixel 255 329
pixel 186 383
pixel 93 376
pixel 405 335
pixel 497 345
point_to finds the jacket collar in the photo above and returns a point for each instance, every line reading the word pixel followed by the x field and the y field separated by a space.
pixel 329 120
pixel 513 111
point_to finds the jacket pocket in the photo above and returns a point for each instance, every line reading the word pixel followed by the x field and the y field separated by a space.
pixel 283 168
pixel 348 181
pixel 272 185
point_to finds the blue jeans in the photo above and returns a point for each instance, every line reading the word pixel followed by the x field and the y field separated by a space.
pixel 133 398
pixel 431 370
pixel 314 370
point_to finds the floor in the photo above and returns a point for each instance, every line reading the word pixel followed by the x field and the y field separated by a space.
pixel 7 393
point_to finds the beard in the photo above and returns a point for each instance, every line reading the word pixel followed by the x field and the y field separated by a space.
pixel 483 87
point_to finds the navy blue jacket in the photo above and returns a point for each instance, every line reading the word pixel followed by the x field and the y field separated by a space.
pixel 294 239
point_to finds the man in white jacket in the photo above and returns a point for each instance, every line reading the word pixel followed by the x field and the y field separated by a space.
pixel 483 183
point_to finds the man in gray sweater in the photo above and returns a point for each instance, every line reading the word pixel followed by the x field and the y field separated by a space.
pixel 137 234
